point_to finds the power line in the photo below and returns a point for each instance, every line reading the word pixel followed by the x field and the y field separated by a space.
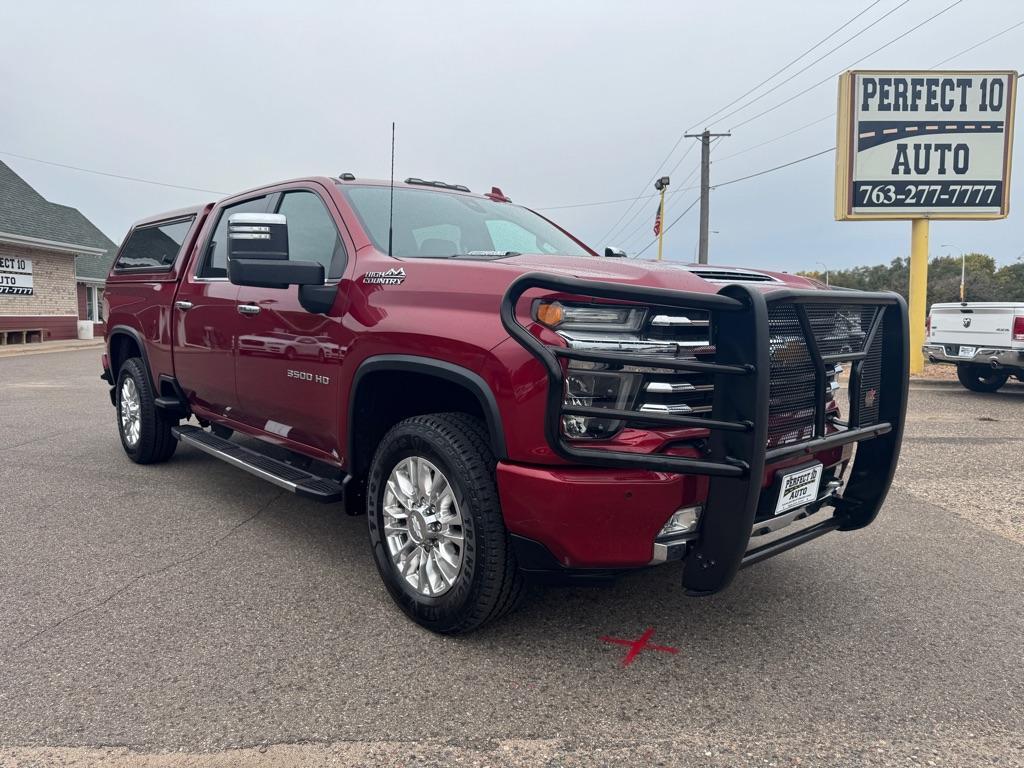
pixel 988 39
pixel 978 45
pixel 849 66
pixel 588 205
pixel 671 195
pixel 111 175
pixel 777 138
pixel 776 168
pixel 820 58
pixel 819 120
pixel 778 72
pixel 640 195
pixel 619 230
pixel 626 239
pixel 674 222
pixel 733 181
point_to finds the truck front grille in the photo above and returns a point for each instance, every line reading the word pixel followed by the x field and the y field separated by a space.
pixel 839 333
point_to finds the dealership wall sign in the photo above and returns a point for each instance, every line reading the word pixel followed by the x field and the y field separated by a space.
pixel 924 145
pixel 15 276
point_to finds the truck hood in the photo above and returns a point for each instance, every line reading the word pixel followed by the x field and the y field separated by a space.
pixel 655 274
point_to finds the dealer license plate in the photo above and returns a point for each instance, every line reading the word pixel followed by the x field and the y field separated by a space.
pixel 967 351
pixel 798 487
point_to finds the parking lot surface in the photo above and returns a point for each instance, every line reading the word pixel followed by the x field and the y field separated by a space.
pixel 188 613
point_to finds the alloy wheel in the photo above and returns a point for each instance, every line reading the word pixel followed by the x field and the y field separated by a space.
pixel 131 423
pixel 423 526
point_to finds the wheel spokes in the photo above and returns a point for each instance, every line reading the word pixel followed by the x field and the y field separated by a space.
pixel 418 499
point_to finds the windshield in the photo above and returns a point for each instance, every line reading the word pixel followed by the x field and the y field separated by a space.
pixel 431 224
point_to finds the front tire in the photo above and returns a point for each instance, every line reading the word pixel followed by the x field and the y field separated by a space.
pixel 979 378
pixel 435 524
pixel 145 429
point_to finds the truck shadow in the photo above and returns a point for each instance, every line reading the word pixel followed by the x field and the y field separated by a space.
pixel 796 593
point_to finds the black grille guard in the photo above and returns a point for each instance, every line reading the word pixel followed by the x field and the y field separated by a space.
pixel 738 424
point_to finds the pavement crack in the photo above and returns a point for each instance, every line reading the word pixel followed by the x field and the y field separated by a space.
pixel 33 440
pixel 143 576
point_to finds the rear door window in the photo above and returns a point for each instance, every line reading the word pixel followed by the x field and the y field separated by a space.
pixel 153 247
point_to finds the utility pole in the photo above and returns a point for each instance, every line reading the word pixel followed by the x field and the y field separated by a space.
pixel 705 187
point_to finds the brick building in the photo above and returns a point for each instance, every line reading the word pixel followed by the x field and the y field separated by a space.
pixel 53 265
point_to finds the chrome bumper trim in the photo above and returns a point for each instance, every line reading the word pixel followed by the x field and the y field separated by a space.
pixel 1002 357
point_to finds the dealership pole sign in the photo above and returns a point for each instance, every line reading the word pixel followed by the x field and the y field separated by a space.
pixel 15 276
pixel 933 145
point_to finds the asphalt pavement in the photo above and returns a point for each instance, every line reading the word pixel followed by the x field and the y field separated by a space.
pixel 190 614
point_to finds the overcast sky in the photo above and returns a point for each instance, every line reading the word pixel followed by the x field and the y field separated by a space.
pixel 558 103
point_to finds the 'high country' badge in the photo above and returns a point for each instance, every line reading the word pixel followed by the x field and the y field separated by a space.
pixel 390 277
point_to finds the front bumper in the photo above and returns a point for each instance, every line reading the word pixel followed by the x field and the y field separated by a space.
pixel 591 518
pixel 756 338
pixel 993 357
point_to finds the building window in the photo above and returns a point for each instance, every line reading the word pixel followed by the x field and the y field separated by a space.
pixel 94 304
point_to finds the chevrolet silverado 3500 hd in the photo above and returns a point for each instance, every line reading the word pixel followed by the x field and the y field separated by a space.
pixel 498 398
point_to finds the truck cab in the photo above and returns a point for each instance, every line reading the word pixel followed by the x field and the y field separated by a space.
pixel 501 401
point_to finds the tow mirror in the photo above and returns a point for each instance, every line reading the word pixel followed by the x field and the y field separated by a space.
pixel 257 236
pixel 258 257
pixel 614 253
pixel 258 253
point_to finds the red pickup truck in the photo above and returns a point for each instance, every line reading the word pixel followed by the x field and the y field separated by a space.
pixel 498 398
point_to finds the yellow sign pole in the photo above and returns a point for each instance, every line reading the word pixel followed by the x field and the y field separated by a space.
pixel 918 291
pixel 661 228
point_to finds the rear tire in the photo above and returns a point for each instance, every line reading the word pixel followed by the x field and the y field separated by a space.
pixel 979 378
pixel 444 556
pixel 145 430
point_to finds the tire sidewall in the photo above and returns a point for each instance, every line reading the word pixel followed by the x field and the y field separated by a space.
pixel 128 373
pixel 444 611
pixel 977 378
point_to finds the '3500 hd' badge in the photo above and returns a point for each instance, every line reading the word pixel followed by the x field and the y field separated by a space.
pixel 390 277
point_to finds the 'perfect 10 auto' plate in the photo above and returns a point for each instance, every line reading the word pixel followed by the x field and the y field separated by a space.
pixel 798 487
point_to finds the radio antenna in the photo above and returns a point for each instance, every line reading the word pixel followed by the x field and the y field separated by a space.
pixel 391 204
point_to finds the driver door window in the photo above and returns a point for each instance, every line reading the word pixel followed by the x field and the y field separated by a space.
pixel 312 235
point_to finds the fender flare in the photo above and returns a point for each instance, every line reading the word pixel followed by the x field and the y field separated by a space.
pixel 127 330
pixel 439 369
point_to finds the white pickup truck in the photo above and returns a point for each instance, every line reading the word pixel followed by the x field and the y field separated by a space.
pixel 985 340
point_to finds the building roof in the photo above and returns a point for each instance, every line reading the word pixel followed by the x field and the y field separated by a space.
pixel 28 216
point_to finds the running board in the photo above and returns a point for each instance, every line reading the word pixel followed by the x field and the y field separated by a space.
pixel 277 472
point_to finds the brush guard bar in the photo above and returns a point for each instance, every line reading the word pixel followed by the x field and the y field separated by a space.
pixel 741 372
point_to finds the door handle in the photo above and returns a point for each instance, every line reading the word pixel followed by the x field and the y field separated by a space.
pixel 184 306
pixel 248 309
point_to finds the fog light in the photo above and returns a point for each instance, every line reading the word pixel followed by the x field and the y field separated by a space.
pixel 682 521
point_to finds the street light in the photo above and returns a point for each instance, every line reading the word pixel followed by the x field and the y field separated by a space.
pixel 963 270
pixel 823 264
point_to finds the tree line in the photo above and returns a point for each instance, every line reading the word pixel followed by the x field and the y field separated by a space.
pixel 984 281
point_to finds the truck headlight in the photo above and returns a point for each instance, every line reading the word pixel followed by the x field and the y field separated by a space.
pixel 596 389
pixel 589 317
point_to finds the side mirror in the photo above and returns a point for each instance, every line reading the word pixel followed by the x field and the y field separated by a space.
pixel 258 253
pixel 257 236
pixel 614 253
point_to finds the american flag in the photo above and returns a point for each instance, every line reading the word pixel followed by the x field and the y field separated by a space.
pixel 657 221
